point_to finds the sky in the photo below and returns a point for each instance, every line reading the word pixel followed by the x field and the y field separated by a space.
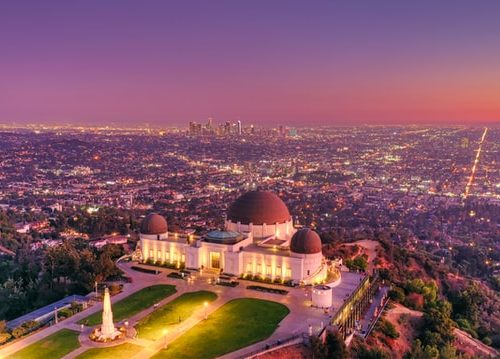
pixel 266 62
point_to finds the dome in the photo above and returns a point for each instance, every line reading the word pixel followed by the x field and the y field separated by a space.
pixel 305 241
pixel 258 207
pixel 154 224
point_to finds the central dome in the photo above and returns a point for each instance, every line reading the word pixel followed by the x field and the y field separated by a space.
pixel 154 224
pixel 305 241
pixel 258 207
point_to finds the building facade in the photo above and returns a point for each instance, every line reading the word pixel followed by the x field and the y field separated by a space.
pixel 259 240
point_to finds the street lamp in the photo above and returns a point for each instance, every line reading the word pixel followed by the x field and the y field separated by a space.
pixel 165 332
pixel 206 305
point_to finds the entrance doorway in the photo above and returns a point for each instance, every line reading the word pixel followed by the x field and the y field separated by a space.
pixel 215 260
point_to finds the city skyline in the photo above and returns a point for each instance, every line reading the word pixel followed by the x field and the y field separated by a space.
pixel 296 64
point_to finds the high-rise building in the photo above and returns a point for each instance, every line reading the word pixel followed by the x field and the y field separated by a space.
pixel 227 128
pixel 239 128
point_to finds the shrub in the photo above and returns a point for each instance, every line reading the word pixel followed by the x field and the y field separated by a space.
pixel 76 307
pixel 64 313
pixel 114 288
pixel 228 284
pixel 388 329
pixel 30 325
pixel 397 294
pixel 267 289
pixel 19 332
pixel 4 338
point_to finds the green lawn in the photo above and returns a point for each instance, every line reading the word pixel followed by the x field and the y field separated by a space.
pixel 56 345
pixel 235 325
pixel 181 308
pixel 125 350
pixel 133 304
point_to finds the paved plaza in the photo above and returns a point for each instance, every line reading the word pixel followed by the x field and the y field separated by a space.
pixel 298 300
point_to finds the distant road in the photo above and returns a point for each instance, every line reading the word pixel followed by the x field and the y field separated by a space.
pixel 475 164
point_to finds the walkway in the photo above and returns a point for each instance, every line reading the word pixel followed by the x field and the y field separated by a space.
pixel 298 321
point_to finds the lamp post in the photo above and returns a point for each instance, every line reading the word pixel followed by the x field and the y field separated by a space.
pixel 206 305
pixel 165 332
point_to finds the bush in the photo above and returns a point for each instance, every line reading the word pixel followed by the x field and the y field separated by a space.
pixel 145 270
pixel 397 294
pixel 19 332
pixel 388 329
pixel 30 325
pixel 267 289
pixel 64 313
pixel 4 338
pixel 114 288
pixel 228 284
pixel 175 275
pixel 76 307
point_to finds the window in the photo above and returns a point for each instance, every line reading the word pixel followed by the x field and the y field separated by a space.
pixel 183 258
pixel 278 271
pixel 288 273
pixel 269 271
pixel 249 267
pixel 259 269
pixel 308 272
pixel 167 256
pixel 159 258
pixel 151 253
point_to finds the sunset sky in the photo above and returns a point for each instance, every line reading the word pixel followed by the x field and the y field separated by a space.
pixel 263 62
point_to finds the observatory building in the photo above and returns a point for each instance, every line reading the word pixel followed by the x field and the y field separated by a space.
pixel 259 239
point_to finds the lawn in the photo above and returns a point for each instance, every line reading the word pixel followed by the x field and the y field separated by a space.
pixel 125 350
pixel 133 304
pixel 56 345
pixel 181 308
pixel 235 325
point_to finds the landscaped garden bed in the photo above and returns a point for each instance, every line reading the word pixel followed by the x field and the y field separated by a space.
pixel 145 270
pixel 228 284
pixel 267 289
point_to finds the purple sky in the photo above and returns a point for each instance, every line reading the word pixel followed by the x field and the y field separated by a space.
pixel 264 62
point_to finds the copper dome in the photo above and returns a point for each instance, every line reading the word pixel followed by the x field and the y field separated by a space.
pixel 305 241
pixel 258 207
pixel 154 224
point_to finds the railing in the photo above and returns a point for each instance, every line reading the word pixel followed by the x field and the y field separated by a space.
pixel 372 325
pixel 295 339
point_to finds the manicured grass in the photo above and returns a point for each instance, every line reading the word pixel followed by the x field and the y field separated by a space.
pixel 181 308
pixel 56 345
pixel 125 350
pixel 235 325
pixel 133 304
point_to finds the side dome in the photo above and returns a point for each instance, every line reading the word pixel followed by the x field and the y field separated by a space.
pixel 305 241
pixel 258 207
pixel 154 224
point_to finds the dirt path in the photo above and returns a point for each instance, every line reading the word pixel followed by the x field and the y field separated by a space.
pixel 370 248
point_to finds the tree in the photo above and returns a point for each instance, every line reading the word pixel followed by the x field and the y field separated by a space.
pixel 335 346
pixel 420 352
